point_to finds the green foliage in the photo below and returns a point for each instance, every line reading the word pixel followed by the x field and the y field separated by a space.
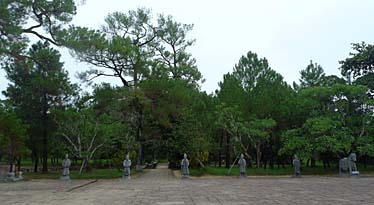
pixel 312 75
pixel 130 45
pixel 176 118
pixel 84 133
pixel 335 119
pixel 331 80
pixel 251 68
pixel 361 62
pixel 327 135
pixel 19 18
pixel 159 110
pixel 295 143
pixel 368 81
pixel 12 135
pixel 39 84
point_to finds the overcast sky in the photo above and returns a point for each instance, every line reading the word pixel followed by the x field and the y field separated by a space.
pixel 289 33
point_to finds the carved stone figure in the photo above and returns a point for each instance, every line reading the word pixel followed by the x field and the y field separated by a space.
pixel 296 166
pixel 242 166
pixel 184 166
pixel 348 165
pixel 66 168
pixel 127 167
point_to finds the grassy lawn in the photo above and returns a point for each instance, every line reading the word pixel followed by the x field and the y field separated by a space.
pixel 288 170
pixel 93 174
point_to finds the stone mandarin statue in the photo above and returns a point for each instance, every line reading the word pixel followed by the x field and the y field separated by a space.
pixel 66 166
pixel 184 166
pixel 242 166
pixel 296 165
pixel 127 167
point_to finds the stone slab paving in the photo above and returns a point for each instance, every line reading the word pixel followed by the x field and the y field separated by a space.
pixel 159 186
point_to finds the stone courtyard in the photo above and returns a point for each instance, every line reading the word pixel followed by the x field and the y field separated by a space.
pixel 160 186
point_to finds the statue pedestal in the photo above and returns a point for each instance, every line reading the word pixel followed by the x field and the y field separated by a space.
pixel 11 177
pixel 126 177
pixel 355 174
pixel 65 178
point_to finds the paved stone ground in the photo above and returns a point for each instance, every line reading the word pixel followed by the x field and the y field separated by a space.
pixel 159 186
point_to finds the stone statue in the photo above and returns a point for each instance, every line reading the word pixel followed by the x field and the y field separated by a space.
pixel 296 166
pixel 126 167
pixel 66 166
pixel 242 166
pixel 348 165
pixel 184 166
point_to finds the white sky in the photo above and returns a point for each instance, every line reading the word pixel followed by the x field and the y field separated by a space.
pixel 289 33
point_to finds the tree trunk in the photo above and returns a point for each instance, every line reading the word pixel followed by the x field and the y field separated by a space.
pixel 12 167
pixel 36 162
pixel 12 154
pixel 312 162
pixel 258 154
pixel 45 140
pixel 228 157
pixel 19 164
pixel 140 143
pixel 220 150
pixel 84 161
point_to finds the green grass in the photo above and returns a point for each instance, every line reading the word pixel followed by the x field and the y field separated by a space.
pixel 93 174
pixel 29 162
pixel 162 161
pixel 288 170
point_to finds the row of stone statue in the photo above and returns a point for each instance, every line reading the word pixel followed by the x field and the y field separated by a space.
pixel 346 166
pixel 66 168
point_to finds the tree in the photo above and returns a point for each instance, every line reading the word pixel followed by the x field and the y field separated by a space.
pixel 12 136
pixel 130 46
pixel 326 134
pixel 231 92
pixel 312 75
pixel 20 18
pixel 175 119
pixel 331 80
pixel 294 142
pixel 171 46
pixel 335 121
pixel 365 141
pixel 360 62
pixel 230 124
pixel 38 85
pixel 249 69
pixel 84 133
pixel 368 81
pixel 259 132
